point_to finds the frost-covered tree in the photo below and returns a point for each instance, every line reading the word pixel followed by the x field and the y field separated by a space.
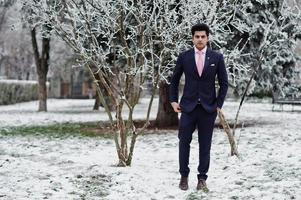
pixel 35 14
pixel 115 43
pixel 272 29
pixel 16 58
pixel 4 6
pixel 13 53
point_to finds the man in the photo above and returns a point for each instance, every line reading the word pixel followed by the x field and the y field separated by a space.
pixel 199 104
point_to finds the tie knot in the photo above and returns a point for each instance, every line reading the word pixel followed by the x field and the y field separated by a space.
pixel 200 52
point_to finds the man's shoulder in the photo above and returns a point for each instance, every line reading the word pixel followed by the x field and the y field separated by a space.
pixel 185 52
pixel 215 52
pixel 216 55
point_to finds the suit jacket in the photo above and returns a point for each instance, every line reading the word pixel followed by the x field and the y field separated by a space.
pixel 198 88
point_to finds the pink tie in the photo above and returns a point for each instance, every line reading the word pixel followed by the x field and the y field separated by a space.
pixel 200 63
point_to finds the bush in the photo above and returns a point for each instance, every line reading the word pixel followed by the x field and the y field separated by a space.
pixel 14 91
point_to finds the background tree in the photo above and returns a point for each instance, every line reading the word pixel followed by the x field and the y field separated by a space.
pixel 274 28
pixel 16 59
pixel 37 18
pixel 114 44
pixel 15 56
pixel 271 30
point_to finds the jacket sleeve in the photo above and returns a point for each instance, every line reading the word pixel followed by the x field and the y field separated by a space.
pixel 222 81
pixel 175 80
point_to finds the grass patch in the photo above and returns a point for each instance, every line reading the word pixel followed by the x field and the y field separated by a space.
pixel 90 129
pixel 94 186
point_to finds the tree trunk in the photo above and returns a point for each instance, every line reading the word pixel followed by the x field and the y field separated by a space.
pixel 42 93
pixel 96 103
pixel 2 17
pixel 42 66
pixel 166 116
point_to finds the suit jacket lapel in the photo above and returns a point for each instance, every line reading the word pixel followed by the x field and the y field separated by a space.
pixel 192 60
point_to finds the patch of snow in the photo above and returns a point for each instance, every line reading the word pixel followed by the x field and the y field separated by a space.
pixel 18 81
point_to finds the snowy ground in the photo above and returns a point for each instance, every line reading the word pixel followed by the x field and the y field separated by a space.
pixel 59 111
pixel 36 167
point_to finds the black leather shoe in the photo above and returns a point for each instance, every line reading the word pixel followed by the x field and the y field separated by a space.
pixel 183 185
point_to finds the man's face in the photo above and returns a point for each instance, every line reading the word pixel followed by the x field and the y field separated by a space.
pixel 200 39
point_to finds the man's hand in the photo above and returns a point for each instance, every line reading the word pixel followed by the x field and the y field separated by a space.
pixel 176 107
pixel 218 109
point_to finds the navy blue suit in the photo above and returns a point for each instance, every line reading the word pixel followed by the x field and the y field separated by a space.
pixel 198 104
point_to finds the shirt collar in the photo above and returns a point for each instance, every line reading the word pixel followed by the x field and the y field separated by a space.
pixel 203 50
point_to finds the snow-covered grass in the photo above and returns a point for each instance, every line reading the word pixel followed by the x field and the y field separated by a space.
pixel 77 167
pixel 59 111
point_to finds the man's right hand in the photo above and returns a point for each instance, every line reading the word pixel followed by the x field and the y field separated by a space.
pixel 176 107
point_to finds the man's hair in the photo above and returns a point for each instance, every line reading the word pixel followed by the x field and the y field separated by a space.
pixel 200 27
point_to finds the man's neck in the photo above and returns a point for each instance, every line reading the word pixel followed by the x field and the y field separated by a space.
pixel 203 49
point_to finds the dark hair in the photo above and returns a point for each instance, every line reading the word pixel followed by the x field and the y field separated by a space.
pixel 200 27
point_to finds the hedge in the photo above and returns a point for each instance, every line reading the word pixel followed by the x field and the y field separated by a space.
pixel 14 91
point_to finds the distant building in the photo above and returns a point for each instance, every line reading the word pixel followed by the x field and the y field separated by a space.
pixel 76 84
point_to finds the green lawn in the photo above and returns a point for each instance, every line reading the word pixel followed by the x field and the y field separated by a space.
pixel 90 129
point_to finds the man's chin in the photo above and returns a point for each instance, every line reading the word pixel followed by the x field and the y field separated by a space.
pixel 200 46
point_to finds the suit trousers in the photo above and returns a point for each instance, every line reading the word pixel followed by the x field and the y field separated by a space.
pixel 204 121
